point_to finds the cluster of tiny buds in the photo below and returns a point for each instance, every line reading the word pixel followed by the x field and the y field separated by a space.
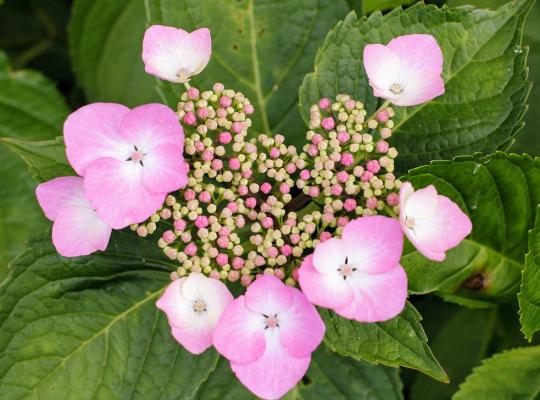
pixel 352 163
pixel 237 217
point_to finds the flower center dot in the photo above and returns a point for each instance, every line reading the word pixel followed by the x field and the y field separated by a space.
pixel 396 88
pixel 409 222
pixel 183 75
pixel 199 306
pixel 271 321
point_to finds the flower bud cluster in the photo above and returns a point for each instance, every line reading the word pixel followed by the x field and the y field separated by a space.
pixel 247 208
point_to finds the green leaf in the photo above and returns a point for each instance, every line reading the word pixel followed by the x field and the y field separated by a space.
pixel 500 194
pixel 258 47
pixel 30 108
pixel 460 344
pixel 374 5
pixel 333 377
pixel 484 71
pixel 398 342
pixel 105 39
pixel 88 327
pixel 529 295
pixel 510 375
pixel 45 159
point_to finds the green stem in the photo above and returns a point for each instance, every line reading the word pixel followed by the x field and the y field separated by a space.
pixel 187 85
pixel 390 211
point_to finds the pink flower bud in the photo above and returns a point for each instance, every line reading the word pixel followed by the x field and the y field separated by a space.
pixel 193 93
pixel 392 199
pixel 250 148
pixel 202 113
pixel 328 123
pixel 232 206
pixel 325 236
pixel 349 205
pixel 313 150
pixel 342 176
pixel 274 152
pixel 247 174
pixel 218 87
pixel 382 146
pixel 290 168
pixel 201 221
pixel 238 263
pixel 190 118
pixel 233 276
pixel 327 218
pixel 295 274
pixel 266 188
pixel 237 127
pixel 314 191
pixel 189 194
pixel 165 213
pixel 240 222
pixel 385 133
pixel 259 261
pixel 267 222
pixel 272 252
pixel 168 236
pixel 324 103
pixel 305 174
pixel 284 188
pixel 205 197
pixel 316 139
pixel 215 275
pixel 222 259
pixel 295 238
pixel 234 164
pixel 221 113
pixel 251 202
pixel 373 166
pixel 207 155
pixel 243 190
pixel 347 159
pixel 225 101
pixel 336 190
pixel 222 242
pixel 245 280
pixel 371 203
pixel 199 146
pixel 248 109
pixel 342 221
pixel 366 176
pixel 350 105
pixel 225 137
pixel 217 164
pixel 343 137
pixel 286 250
pixel 179 225
pixel 191 249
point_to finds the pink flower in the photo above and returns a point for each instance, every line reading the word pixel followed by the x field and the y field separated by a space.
pixel 130 159
pixel 193 306
pixel 407 71
pixel 174 54
pixel 358 276
pixel 77 229
pixel 433 223
pixel 268 335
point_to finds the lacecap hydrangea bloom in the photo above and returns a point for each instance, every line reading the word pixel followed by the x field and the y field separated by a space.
pixel 322 225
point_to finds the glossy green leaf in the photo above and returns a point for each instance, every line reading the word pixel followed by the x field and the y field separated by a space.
pixel 510 375
pixel 374 5
pixel 88 327
pixel 460 344
pixel 398 342
pixel 105 39
pixel 500 194
pixel 45 159
pixel 529 295
pixel 30 108
pixel 259 47
pixel 484 71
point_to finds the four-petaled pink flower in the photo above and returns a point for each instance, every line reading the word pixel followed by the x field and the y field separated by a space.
pixel 77 229
pixel 407 71
pixel 174 54
pixel 193 306
pixel 359 275
pixel 268 335
pixel 130 159
pixel 433 223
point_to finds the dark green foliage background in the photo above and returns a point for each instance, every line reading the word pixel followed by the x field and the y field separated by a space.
pixel 87 327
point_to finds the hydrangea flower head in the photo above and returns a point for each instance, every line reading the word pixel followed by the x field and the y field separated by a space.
pixel 77 229
pixel 130 159
pixel 268 335
pixel 407 71
pixel 175 55
pixel 193 306
pixel 433 223
pixel 359 275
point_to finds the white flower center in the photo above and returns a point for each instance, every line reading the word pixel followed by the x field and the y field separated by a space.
pixel 346 270
pixel 396 88
pixel 183 75
pixel 271 321
pixel 199 306
pixel 409 222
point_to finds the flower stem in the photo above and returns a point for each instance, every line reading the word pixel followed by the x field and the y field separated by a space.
pixel 187 85
pixel 390 211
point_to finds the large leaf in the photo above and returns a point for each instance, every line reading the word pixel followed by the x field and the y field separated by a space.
pixel 30 108
pixel 88 327
pixel 259 47
pixel 105 39
pixel 529 295
pixel 511 375
pixel 484 71
pixel 500 194
pixel 398 342
pixel 460 344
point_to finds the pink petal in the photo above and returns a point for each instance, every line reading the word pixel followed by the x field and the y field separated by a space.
pixel 420 88
pixel 329 256
pixel 418 53
pixel 150 125
pixel 92 132
pixel 443 230
pixel 421 203
pixel 325 290
pixel 191 329
pixel 382 67
pixel 168 52
pixel 374 244
pixel 405 191
pixel 377 297
pixel 57 193
pixel 273 374
pixel 164 169
pixel 78 231
pixel 300 327
pixel 268 295
pixel 239 334
pixel 115 188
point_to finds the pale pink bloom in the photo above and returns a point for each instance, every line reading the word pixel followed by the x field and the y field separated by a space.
pixel 130 159
pixel 268 335
pixel 407 71
pixel 433 223
pixel 193 306
pixel 174 54
pixel 359 275
pixel 77 229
